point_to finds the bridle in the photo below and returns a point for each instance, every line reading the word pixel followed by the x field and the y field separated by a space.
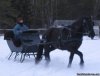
pixel 84 25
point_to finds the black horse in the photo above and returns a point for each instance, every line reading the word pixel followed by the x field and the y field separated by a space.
pixel 66 38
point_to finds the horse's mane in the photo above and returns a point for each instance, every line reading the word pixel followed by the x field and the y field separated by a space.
pixel 77 22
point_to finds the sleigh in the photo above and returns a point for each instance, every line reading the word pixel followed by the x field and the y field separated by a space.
pixel 26 46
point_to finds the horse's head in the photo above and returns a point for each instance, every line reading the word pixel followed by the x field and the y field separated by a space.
pixel 88 26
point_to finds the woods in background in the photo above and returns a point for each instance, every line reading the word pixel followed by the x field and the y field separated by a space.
pixel 42 13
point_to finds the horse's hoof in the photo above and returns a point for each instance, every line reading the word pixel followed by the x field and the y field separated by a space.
pixel 69 65
pixel 37 61
pixel 47 61
pixel 82 64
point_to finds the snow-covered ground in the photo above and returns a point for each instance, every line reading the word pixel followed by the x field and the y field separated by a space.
pixel 58 64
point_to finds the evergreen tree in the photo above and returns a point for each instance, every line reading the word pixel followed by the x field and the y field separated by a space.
pixel 37 13
pixel 24 9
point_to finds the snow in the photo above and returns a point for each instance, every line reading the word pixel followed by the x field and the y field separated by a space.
pixel 58 64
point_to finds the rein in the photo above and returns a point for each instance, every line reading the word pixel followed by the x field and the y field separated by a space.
pixel 70 30
pixel 56 42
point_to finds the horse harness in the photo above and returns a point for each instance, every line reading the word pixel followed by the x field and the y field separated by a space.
pixel 68 38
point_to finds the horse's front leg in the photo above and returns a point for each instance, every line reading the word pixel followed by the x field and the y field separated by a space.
pixel 81 57
pixel 70 59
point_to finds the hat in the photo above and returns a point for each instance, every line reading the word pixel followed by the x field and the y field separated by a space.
pixel 19 18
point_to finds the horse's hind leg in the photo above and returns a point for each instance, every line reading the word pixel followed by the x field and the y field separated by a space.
pixel 81 57
pixel 70 59
pixel 39 54
pixel 47 56
pixel 48 49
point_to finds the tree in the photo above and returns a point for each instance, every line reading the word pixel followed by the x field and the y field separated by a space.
pixel 7 14
pixel 24 9
pixel 97 9
pixel 42 13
